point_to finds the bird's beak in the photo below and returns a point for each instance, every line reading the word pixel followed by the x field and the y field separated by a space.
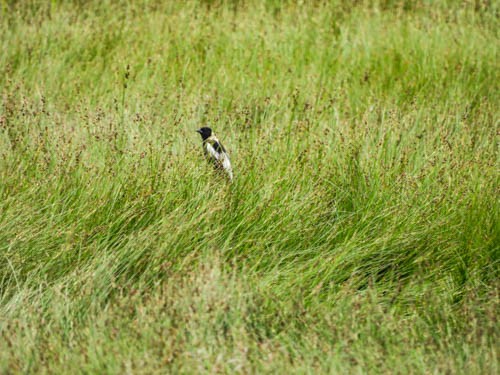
pixel 198 131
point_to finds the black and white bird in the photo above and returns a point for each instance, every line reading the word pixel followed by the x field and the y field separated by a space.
pixel 215 152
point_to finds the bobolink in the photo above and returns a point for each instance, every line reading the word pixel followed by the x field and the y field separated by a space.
pixel 215 152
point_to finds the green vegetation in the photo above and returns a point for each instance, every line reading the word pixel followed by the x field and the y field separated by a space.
pixel 361 234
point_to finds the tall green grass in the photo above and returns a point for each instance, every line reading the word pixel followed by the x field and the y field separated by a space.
pixel 361 233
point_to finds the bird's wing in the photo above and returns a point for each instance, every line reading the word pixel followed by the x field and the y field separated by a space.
pixel 216 151
pixel 218 147
pixel 212 152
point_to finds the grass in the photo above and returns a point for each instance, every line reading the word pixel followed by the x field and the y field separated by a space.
pixel 361 233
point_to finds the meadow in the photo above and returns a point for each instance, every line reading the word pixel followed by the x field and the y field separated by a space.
pixel 360 234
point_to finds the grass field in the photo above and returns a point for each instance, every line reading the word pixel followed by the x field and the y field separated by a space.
pixel 361 233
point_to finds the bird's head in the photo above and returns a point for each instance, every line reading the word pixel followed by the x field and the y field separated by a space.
pixel 205 132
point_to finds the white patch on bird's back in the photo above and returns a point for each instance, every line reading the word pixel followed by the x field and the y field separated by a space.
pixel 210 150
pixel 219 158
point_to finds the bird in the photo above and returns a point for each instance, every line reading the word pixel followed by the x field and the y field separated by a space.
pixel 215 152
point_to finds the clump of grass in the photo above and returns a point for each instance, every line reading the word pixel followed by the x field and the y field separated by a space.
pixel 360 234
